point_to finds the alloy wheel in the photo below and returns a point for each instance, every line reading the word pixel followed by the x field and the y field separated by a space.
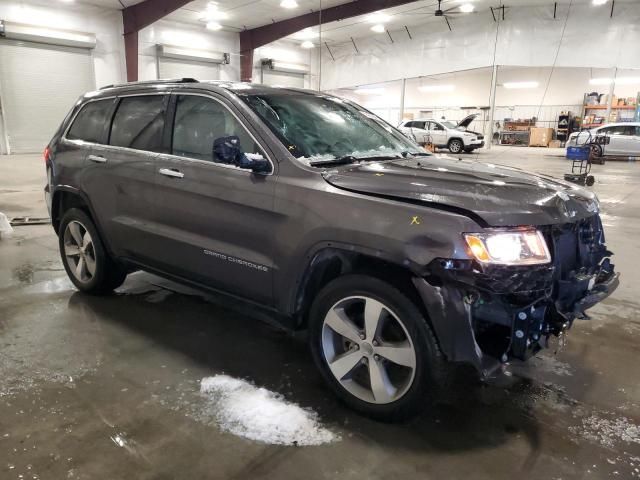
pixel 79 251
pixel 368 350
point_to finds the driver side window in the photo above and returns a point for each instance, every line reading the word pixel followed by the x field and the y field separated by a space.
pixel 435 126
pixel 200 122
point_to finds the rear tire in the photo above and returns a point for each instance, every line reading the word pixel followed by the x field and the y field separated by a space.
pixel 84 257
pixel 354 352
pixel 455 145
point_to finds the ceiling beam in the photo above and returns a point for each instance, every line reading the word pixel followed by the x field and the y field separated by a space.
pixel 137 17
pixel 143 14
pixel 259 36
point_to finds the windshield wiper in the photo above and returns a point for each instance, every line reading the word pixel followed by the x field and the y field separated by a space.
pixel 346 159
pixel 407 153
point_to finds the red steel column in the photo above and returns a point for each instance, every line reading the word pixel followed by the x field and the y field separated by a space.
pixel 131 55
pixel 134 19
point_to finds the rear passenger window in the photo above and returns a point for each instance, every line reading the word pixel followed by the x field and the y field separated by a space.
pixel 90 122
pixel 199 122
pixel 139 123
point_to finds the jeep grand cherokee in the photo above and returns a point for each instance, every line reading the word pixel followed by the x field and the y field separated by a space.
pixel 309 206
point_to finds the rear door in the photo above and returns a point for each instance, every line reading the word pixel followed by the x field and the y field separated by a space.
pixel 87 129
pixel 416 130
pixel 214 219
pixel 119 177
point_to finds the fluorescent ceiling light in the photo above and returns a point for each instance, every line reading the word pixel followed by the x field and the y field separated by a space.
pixel 289 4
pixel 305 34
pixel 619 81
pixel 307 44
pixel 369 91
pixel 379 28
pixel 378 17
pixel 437 88
pixel 215 26
pixel 212 13
pixel 466 8
pixel 599 2
pixel 520 84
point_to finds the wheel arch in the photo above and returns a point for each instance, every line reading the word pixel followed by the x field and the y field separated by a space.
pixel 63 199
pixel 333 261
pixel 67 197
pixel 455 138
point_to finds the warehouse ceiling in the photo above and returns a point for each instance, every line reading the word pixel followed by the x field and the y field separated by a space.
pixel 238 15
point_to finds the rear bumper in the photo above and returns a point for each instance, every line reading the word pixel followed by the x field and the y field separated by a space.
pixel 486 327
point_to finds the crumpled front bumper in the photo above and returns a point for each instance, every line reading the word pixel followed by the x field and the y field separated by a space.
pixel 487 316
pixel 455 314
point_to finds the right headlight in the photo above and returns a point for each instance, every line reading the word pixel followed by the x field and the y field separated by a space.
pixel 509 247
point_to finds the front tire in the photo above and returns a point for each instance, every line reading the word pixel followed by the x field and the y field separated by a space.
pixel 455 145
pixel 84 257
pixel 374 347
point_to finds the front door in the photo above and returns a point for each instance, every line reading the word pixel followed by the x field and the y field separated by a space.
pixel 438 133
pixel 621 139
pixel 214 220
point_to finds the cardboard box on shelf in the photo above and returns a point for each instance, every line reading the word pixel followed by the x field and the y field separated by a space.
pixel 540 136
pixel 604 100
pixel 555 144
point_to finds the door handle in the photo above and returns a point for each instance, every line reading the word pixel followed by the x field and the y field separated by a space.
pixel 97 159
pixel 168 172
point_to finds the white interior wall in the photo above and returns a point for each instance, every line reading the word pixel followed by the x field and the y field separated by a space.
pixel 105 24
pixel 529 36
pixel 289 52
pixel 471 88
pixel 188 36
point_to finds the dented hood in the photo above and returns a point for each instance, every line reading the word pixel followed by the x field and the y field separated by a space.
pixel 493 195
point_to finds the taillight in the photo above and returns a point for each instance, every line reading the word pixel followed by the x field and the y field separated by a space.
pixel 47 155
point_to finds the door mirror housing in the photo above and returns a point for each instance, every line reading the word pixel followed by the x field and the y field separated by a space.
pixel 257 163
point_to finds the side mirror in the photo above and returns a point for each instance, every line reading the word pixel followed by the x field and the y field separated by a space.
pixel 257 163
pixel 228 150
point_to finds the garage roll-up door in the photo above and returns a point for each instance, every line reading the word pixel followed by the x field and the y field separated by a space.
pixel 38 85
pixel 282 79
pixel 178 68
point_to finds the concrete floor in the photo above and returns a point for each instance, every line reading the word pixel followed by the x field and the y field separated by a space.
pixel 108 388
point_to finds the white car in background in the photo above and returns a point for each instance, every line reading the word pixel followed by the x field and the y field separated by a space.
pixel 624 139
pixel 444 134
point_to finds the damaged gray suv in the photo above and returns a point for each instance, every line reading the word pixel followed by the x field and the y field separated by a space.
pixel 309 206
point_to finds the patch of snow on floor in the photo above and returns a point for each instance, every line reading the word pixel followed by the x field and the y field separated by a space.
pixel 261 415
pixel 608 432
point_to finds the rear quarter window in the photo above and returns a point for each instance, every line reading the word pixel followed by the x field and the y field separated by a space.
pixel 89 124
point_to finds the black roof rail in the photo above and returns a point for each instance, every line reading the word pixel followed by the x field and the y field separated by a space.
pixel 152 82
